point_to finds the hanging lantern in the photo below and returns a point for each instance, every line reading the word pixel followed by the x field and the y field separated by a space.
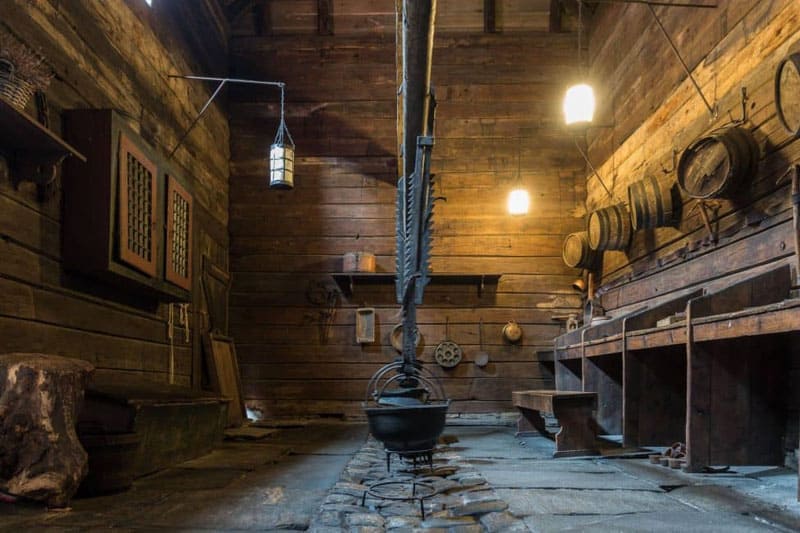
pixel 579 100
pixel 518 202
pixel 579 104
pixel 281 156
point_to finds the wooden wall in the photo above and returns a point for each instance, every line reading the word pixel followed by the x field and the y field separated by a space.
pixel 112 54
pixel 654 109
pixel 499 100
pixel 643 91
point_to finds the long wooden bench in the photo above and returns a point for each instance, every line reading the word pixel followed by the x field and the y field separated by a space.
pixel 573 410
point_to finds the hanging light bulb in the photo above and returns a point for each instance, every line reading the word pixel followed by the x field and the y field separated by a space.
pixel 579 104
pixel 579 101
pixel 281 155
pixel 518 202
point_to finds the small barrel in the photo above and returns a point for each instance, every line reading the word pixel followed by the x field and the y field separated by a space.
pixel 576 251
pixel 717 165
pixel 653 204
pixel 610 228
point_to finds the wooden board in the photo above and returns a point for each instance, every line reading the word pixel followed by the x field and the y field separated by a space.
pixel 224 371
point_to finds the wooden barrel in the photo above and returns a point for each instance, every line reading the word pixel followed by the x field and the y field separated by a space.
pixel 716 166
pixel 576 251
pixel 653 204
pixel 610 228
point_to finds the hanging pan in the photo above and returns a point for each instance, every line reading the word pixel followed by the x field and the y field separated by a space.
pixel 447 353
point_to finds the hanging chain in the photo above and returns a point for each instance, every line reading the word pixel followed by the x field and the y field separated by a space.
pixel 282 128
pixel 580 28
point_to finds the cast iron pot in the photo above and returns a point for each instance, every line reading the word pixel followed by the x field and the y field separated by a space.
pixel 408 428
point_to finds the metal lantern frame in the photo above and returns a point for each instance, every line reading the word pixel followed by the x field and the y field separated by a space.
pixel 281 152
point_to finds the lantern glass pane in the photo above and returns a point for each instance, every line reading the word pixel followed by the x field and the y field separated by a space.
pixel 518 202
pixel 579 104
pixel 281 166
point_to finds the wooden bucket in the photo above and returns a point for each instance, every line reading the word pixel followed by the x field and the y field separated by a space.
pixel 358 262
pixel 576 251
pixel 610 228
pixel 717 165
pixel 653 204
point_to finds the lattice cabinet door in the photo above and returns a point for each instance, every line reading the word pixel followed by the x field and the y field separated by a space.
pixel 138 238
pixel 179 235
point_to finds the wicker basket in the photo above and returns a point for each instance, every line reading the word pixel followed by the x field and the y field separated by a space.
pixel 13 89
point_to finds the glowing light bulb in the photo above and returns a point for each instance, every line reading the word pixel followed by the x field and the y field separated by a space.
pixel 579 104
pixel 518 202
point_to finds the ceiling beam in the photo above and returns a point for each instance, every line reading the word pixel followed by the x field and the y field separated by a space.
pixel 490 16
pixel 237 8
pixel 555 16
pixel 325 17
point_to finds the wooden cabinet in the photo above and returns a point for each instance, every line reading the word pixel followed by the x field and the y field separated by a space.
pixel 127 215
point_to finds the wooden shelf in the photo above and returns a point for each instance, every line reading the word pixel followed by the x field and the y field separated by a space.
pixel 661 384
pixel 348 280
pixel 33 149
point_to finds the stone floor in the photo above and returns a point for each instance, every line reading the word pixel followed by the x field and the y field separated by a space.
pixel 311 477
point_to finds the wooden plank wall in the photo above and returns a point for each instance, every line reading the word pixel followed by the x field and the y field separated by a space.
pixel 110 54
pixel 656 111
pixel 499 100
pixel 644 92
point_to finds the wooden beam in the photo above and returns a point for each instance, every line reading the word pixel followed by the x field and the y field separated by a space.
pixel 490 16
pixel 325 17
pixel 236 9
pixel 555 16
pixel 263 19
pixel 398 6
pixel 418 28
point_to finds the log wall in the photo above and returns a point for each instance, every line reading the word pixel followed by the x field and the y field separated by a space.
pixel 645 94
pixel 498 104
pixel 112 54
pixel 654 109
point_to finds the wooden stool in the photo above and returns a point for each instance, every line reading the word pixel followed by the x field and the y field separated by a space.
pixel 574 413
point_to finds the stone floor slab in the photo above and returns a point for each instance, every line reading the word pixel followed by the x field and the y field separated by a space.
pixel 526 478
pixel 525 502
pixel 657 522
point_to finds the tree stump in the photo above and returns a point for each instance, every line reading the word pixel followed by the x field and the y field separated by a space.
pixel 40 455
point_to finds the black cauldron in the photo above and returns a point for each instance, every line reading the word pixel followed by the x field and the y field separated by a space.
pixel 408 428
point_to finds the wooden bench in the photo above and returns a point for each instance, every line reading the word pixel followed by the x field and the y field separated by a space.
pixel 573 410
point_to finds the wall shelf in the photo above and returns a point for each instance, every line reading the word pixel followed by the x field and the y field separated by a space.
pixel 33 150
pixel 348 280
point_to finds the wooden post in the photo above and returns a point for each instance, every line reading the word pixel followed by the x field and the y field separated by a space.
pixel 698 399
pixel 417 31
